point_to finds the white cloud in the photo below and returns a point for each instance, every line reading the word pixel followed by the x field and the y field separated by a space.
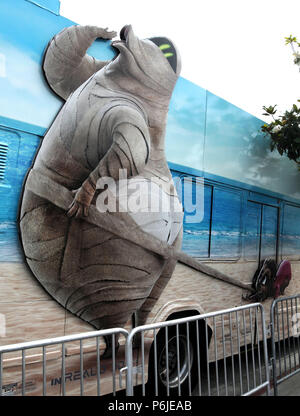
pixel 22 71
pixel 23 78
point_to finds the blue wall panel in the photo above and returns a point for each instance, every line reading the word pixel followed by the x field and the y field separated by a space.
pixel 196 234
pixel 25 30
pixel 252 237
pixel 269 232
pixel 235 148
pixel 291 231
pixel 186 125
pixel 50 5
pixel 21 149
pixel 226 224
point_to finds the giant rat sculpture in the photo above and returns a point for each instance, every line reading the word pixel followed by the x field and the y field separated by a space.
pixel 114 118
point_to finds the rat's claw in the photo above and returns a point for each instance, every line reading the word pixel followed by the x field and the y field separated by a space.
pixel 79 211
pixel 81 202
pixel 106 34
pixel 72 209
pixel 85 211
pixel 111 34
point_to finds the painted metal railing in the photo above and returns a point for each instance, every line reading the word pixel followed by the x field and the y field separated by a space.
pixel 213 354
pixel 218 353
pixel 285 331
pixel 35 356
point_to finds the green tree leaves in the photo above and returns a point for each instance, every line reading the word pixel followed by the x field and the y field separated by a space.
pixel 269 111
pixel 291 39
pixel 284 130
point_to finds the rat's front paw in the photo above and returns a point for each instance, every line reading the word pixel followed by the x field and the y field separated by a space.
pixel 82 201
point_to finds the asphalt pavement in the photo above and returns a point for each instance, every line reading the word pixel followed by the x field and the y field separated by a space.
pixel 290 387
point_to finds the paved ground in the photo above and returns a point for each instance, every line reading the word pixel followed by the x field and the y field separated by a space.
pixel 242 373
pixel 290 362
pixel 290 387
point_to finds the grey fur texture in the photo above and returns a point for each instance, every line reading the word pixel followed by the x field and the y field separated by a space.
pixel 114 118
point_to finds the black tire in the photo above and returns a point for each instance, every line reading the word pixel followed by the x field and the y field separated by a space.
pixel 187 376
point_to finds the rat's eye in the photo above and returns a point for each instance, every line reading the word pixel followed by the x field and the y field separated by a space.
pixel 164 47
pixel 168 49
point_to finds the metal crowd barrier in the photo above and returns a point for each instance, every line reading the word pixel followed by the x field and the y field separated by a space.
pixel 218 353
pixel 285 331
pixel 60 366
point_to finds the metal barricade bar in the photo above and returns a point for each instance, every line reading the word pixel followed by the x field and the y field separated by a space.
pixel 285 331
pixel 225 352
pixel 27 346
pixel 242 349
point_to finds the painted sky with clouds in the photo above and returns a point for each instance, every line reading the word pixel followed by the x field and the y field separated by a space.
pixel 231 146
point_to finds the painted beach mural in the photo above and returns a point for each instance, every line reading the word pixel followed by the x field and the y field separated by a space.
pixel 27 105
pixel 250 196
pixel 207 138
pixel 241 202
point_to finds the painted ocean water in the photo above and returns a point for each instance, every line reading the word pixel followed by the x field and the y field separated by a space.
pixel 10 246
pixel 194 243
pixel 223 244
